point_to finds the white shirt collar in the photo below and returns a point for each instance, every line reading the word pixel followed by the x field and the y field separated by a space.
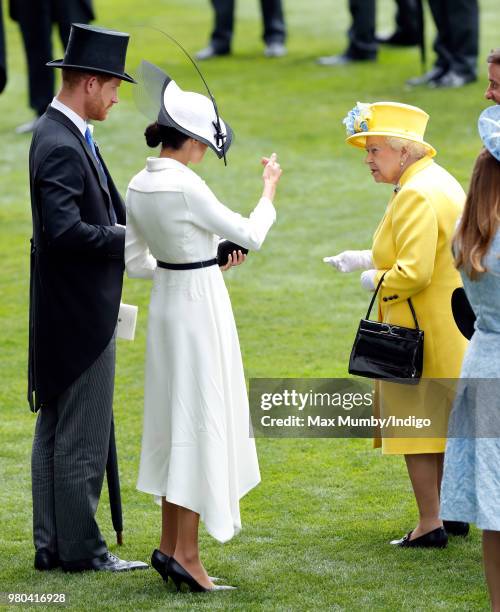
pixel 156 164
pixel 80 123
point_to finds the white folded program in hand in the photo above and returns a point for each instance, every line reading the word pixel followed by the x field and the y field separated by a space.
pixel 127 319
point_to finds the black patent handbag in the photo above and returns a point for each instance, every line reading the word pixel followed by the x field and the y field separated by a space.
pixel 386 351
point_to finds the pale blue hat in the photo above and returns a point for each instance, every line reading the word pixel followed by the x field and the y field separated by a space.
pixel 489 129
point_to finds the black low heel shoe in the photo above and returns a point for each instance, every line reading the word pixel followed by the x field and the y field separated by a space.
pixel 159 561
pixel 179 575
pixel 437 538
pixel 456 528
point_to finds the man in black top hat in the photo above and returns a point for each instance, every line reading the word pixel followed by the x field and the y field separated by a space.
pixel 35 22
pixel 77 267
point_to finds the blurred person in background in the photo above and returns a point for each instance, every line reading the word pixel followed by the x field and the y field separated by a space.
pixel 35 18
pixel 471 482
pixel 3 58
pixel 408 32
pixel 411 251
pixel 493 91
pixel 362 40
pixel 274 34
pixel 456 44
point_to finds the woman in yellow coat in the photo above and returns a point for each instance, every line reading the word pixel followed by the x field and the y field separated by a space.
pixel 412 247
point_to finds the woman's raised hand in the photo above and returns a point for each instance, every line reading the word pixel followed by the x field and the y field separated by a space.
pixel 272 170
pixel 271 175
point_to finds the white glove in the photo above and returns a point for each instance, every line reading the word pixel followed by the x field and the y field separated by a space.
pixel 349 261
pixel 368 280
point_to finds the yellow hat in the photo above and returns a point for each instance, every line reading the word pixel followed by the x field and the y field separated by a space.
pixel 387 119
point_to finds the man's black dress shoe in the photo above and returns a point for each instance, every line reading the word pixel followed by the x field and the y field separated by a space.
pixel 456 528
pixel 105 563
pixel 434 539
pixel 342 60
pixel 210 52
pixel 398 39
pixel 426 79
pixel 452 80
pixel 46 560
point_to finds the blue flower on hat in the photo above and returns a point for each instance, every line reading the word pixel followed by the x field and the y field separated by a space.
pixel 489 130
pixel 357 119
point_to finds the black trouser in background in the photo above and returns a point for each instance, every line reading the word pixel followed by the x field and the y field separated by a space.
pixel 457 40
pixel 407 21
pixel 272 16
pixel 35 19
pixel 362 44
pixel 3 58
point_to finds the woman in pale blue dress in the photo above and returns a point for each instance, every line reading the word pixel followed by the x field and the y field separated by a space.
pixel 471 482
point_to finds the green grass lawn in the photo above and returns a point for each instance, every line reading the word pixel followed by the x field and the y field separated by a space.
pixel 316 530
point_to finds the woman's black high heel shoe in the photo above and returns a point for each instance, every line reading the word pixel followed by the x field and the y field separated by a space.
pixel 159 561
pixel 179 575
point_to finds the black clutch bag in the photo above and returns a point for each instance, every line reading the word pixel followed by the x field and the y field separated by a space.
pixel 462 312
pixel 225 248
pixel 386 351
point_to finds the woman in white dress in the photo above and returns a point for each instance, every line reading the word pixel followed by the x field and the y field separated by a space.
pixel 197 452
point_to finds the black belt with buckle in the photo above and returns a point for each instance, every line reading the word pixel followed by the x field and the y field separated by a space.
pixel 187 266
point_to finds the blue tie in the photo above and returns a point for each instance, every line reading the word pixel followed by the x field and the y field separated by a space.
pixel 90 142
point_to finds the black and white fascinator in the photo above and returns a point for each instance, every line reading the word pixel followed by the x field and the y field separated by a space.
pixel 159 98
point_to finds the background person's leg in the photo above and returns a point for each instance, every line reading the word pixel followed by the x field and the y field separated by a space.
pixel 491 554
pixel 222 34
pixel 423 470
pixel 35 22
pixel 273 21
pixel 67 12
pixel 362 44
pixel 463 19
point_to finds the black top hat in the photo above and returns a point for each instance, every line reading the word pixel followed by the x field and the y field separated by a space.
pixel 94 49
pixel 462 313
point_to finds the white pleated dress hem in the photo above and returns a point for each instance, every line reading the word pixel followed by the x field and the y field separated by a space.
pixel 221 535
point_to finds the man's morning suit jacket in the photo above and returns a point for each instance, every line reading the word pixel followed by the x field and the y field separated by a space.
pixel 76 257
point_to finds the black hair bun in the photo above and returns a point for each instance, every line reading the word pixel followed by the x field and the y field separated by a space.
pixel 153 135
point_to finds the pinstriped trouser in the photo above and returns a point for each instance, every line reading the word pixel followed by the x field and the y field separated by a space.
pixel 70 451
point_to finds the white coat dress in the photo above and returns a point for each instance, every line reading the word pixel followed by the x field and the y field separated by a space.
pixel 197 450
